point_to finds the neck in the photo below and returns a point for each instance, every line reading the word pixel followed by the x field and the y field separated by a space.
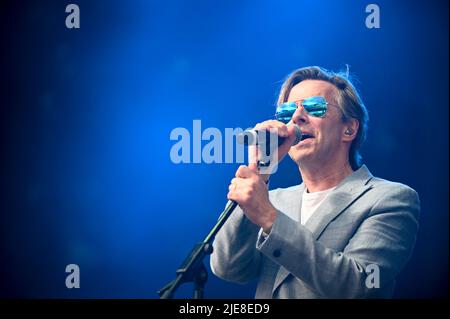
pixel 320 178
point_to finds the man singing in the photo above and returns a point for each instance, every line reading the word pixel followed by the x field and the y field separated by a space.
pixel 342 233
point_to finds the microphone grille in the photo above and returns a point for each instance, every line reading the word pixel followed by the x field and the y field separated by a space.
pixel 298 134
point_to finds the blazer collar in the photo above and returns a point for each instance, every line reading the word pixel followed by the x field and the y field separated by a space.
pixel 348 191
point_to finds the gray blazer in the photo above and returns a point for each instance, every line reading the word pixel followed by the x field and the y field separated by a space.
pixel 364 221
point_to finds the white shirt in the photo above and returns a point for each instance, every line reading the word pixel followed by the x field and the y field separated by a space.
pixel 310 202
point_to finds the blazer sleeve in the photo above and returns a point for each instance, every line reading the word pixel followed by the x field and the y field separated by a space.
pixel 385 238
pixel 235 257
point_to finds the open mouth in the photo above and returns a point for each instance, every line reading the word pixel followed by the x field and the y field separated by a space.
pixel 305 136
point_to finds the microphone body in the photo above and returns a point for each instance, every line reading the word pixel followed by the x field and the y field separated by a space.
pixel 263 137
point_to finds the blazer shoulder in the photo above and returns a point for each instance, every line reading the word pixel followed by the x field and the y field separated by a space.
pixel 388 187
pixel 394 193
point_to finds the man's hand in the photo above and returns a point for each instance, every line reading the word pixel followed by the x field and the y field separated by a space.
pixel 278 128
pixel 250 191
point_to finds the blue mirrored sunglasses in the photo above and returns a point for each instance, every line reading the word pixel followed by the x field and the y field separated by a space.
pixel 315 106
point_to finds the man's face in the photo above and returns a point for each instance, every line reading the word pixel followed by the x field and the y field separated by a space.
pixel 326 141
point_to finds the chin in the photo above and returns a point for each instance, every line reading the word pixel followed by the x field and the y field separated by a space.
pixel 299 155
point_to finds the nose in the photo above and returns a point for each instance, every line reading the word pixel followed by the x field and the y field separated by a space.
pixel 300 116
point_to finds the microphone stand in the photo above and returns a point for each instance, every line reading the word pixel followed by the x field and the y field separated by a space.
pixel 193 269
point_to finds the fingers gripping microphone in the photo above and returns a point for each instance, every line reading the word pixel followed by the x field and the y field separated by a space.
pixel 263 137
pixel 268 142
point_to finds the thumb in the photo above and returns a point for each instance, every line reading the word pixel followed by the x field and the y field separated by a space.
pixel 287 144
pixel 253 158
pixel 253 167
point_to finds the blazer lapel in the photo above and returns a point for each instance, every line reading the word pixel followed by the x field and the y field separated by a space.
pixel 336 203
pixel 345 194
pixel 296 203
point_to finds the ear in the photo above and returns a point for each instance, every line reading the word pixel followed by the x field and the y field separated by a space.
pixel 350 130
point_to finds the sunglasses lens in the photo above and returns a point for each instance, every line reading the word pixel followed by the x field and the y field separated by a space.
pixel 315 106
pixel 285 111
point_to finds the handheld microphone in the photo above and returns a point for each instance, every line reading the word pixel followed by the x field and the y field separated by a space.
pixel 258 137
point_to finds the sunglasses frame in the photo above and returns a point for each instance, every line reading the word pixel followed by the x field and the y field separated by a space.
pixel 300 102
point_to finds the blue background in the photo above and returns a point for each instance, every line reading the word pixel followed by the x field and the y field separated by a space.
pixel 86 115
